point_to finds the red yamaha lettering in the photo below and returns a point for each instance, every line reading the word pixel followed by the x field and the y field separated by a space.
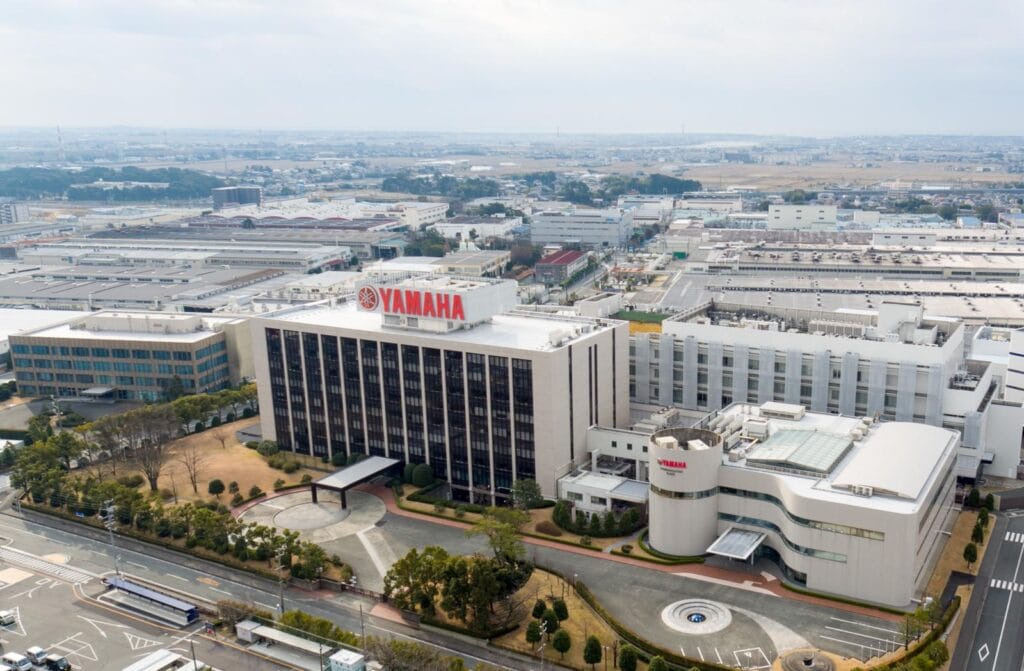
pixel 413 302
pixel 669 463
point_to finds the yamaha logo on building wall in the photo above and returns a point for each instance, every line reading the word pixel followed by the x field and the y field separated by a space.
pixel 412 302
pixel 672 464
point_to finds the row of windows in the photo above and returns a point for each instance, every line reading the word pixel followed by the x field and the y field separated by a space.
pixel 116 366
pixel 803 521
pixel 144 395
pixel 115 352
pixel 800 549
pixel 706 493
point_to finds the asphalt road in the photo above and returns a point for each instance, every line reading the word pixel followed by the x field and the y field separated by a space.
pixel 89 552
pixel 996 613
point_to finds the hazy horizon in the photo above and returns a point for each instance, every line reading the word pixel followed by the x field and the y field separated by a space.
pixel 772 67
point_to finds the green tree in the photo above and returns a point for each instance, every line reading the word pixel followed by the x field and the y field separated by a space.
pixel 974 497
pixel 576 192
pixel 657 663
pixel 978 534
pixel 413 582
pixel 533 632
pixel 970 554
pixel 216 487
pixel 539 608
pixel 526 494
pixel 987 212
pixel 610 524
pixel 68 446
pixel 561 642
pixel 990 502
pixel 39 428
pixel 550 619
pixel 983 517
pixel 174 389
pixel 594 527
pixel 628 658
pixel 499 525
pixel 948 211
pixel 592 651
pixel 561 610
pixel 318 626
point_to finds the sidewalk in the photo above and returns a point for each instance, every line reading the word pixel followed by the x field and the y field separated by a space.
pixel 737 579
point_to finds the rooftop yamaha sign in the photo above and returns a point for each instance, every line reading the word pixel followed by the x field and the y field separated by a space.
pixel 412 302
pixel 672 464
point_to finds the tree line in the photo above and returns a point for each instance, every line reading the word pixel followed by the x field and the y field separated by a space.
pixel 441 185
pixel 38 183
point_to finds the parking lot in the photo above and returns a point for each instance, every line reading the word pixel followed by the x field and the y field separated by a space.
pixel 62 618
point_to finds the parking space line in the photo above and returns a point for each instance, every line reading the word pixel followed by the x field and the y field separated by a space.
pixel 851 643
pixel 867 626
pixel 700 653
pixel 854 633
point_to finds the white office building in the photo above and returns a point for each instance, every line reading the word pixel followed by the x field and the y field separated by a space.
pixel 843 505
pixel 590 228
pixel 810 217
pixel 895 363
pixel 442 370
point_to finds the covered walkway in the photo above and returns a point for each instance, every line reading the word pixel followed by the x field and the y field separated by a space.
pixel 350 476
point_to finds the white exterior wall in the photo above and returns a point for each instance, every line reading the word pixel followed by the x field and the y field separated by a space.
pixel 597 228
pixel 684 501
pixel 802 217
pixel 1004 434
pixel 1015 367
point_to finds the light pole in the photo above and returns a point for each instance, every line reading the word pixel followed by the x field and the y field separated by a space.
pixel 280 578
pixel 362 630
pixel 109 523
pixel 543 643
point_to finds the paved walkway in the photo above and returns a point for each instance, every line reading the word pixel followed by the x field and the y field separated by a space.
pixel 736 579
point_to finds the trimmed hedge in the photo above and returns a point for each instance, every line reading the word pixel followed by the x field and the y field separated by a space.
pixel 448 626
pixel 841 599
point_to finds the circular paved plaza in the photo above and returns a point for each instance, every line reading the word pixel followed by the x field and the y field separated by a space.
pixel 319 522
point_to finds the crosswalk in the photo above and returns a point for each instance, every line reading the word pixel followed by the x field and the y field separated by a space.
pixel 33 563
pixel 1007 585
pixel 1014 537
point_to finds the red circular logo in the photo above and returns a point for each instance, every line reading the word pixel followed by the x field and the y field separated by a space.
pixel 368 298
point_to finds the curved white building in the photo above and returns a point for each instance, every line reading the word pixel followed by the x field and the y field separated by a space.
pixel 844 505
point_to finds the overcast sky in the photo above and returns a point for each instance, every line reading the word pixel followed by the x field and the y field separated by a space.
pixel 810 67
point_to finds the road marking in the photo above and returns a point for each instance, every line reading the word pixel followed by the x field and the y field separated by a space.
pixel 172 575
pixel 20 628
pixel 33 563
pixel 222 591
pixel 983 652
pixel 136 642
pixel 851 643
pixel 378 563
pixel 867 626
pixel 1007 585
pixel 718 656
pixel 96 624
pixel 854 633
pixel 700 653
pixel 141 566
pixel 1014 537
pixel 1006 613
pixel 268 607
pixel 84 650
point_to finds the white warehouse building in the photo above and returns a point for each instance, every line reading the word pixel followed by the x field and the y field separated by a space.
pixel 610 227
pixel 445 371
pixel 843 505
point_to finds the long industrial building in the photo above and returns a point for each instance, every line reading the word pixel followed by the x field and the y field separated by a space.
pixel 445 371
pixel 894 363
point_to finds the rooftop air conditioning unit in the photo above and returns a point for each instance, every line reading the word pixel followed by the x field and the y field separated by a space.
pixel 863 490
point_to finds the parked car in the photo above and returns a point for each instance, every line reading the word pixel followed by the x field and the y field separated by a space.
pixel 7 617
pixel 17 661
pixel 36 654
pixel 56 663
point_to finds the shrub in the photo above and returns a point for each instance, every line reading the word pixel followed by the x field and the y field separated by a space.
pixel 422 475
pixel 628 658
pixel 626 549
pixel 549 528
pixel 237 499
pixel 990 502
pixel 561 642
pixel 254 491
pixel 657 663
pixel 407 472
pixel 338 459
pixel 974 498
pixel 561 610
pixel 533 632
pixel 306 479
pixel 460 511
pixel 166 494
pixel 595 527
pixel 439 506
pixel 247 413
pixel 252 444
pixel 279 483
pixel 233 487
pixel 267 448
pixel 214 421
pixel 131 481
pixel 291 466
pixel 538 609
pixel 230 417
pixel 216 487
pixel 586 540
pixel 199 426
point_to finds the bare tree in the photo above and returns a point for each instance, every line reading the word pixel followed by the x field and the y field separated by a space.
pixel 192 458
pixel 221 434
pixel 155 427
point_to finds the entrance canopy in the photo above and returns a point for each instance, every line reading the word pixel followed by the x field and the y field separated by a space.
pixel 737 544
pixel 350 476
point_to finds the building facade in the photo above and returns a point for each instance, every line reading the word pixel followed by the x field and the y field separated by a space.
pixel 810 217
pixel 442 371
pixel 560 266
pixel 225 196
pixel 590 228
pixel 131 356
pixel 12 213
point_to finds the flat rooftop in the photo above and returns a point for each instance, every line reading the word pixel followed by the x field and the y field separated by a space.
pixel 832 457
pixel 514 330
pixel 73 328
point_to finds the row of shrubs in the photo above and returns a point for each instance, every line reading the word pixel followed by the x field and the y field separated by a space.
pixel 597 526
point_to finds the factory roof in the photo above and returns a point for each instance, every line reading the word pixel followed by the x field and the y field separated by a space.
pixel 561 258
